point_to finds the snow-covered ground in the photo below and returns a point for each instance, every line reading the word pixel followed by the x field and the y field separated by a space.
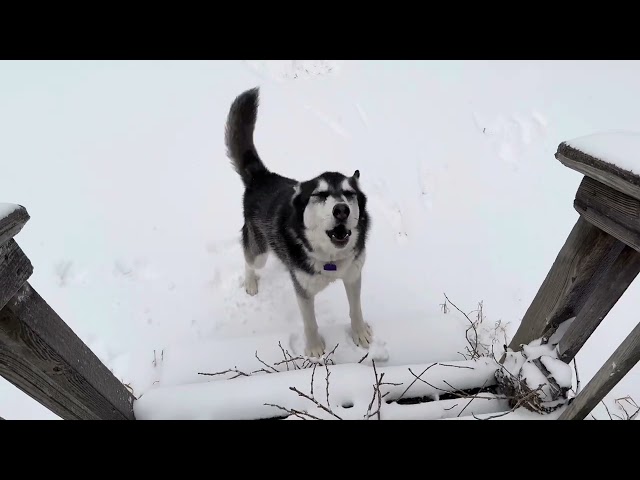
pixel 135 210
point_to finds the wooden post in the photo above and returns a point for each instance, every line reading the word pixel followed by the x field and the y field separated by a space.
pixel 614 283
pixel 586 255
pixel 40 354
pixel 598 262
pixel 614 369
pixel 12 223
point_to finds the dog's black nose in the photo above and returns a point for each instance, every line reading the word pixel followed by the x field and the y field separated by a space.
pixel 341 211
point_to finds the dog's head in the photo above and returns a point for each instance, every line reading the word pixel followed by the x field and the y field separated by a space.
pixel 332 210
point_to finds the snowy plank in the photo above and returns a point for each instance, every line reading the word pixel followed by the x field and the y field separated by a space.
pixel 43 357
pixel 625 357
pixel 350 387
pixel 583 259
pixel 614 212
pixel 15 270
pixel 612 158
pixel 612 286
pixel 12 219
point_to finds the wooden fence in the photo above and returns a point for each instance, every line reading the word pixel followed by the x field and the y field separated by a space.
pixel 40 354
pixel 594 268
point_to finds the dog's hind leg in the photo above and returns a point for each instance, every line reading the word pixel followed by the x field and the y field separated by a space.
pixel 255 256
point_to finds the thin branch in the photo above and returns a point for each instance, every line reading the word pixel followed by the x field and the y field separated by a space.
pixel 474 349
pixel 319 405
pixel 607 408
pixel 376 392
pixel 417 378
pixel 265 364
pixel 231 370
pixel 313 373
pixel 518 404
pixel 455 391
pixel 472 398
pixel 363 358
pixel 456 366
pixel 297 413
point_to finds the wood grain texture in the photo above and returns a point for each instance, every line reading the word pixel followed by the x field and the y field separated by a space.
pixel 606 294
pixel 31 379
pixel 11 225
pixel 614 212
pixel 15 270
pixel 46 359
pixel 586 255
pixel 625 357
pixel 604 172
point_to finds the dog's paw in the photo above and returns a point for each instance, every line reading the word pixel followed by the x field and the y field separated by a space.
pixel 315 347
pixel 251 285
pixel 362 335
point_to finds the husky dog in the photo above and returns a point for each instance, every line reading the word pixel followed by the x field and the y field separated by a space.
pixel 317 228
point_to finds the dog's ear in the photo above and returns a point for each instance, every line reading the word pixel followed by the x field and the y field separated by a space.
pixel 356 175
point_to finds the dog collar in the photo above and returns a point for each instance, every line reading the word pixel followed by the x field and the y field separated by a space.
pixel 332 267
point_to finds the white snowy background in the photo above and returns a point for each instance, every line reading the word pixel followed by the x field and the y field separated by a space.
pixel 136 211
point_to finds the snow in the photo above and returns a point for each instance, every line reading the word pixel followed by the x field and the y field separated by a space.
pixel 6 209
pixel 620 148
pixel 350 393
pixel 559 370
pixel 135 211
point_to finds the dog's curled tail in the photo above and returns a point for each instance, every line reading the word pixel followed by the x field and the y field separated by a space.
pixel 241 123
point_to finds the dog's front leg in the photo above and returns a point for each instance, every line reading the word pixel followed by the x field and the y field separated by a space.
pixel 314 342
pixel 360 331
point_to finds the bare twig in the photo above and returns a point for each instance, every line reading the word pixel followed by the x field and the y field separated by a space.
pixel 456 366
pixel 451 408
pixel 378 380
pixel 376 393
pixel 472 398
pixel 294 412
pixel 231 370
pixel 284 355
pixel 417 378
pixel 319 405
pixel 363 358
pixel 607 409
pixel 631 402
pixel 289 358
pixel 326 366
pixel 474 348
pixel 518 404
pixel 457 392
pixel 265 364
pixel 313 373
pixel 575 366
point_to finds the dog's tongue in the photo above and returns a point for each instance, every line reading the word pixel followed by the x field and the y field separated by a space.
pixel 340 232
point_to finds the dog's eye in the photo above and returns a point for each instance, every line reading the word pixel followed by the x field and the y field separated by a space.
pixel 349 194
pixel 322 195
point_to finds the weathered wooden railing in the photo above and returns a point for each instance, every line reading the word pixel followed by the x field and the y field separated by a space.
pixel 597 263
pixel 40 354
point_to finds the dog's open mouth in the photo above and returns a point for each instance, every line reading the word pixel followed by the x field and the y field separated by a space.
pixel 339 236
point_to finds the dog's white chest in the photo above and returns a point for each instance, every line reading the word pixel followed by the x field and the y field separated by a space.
pixel 346 269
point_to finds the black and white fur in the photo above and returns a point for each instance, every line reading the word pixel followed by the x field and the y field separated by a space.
pixel 307 225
